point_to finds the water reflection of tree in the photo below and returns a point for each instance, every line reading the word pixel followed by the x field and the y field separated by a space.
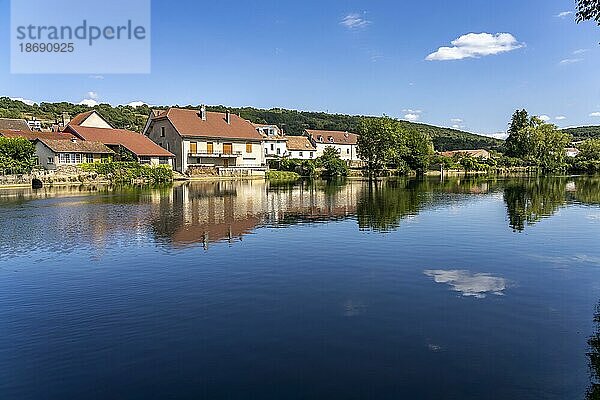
pixel 593 391
pixel 530 200
pixel 383 205
pixel 587 190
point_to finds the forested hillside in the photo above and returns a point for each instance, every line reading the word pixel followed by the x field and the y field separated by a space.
pixel 293 122
pixel 583 132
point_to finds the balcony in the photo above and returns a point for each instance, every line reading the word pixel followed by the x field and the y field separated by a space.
pixel 215 154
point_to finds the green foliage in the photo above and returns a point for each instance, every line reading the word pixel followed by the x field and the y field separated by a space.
pixel 301 167
pixel 332 164
pixel 588 10
pixel 536 142
pixel 385 143
pixel 583 132
pixel 588 159
pixel 126 172
pixel 17 156
pixel 273 175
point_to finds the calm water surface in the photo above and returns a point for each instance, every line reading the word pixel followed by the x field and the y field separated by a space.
pixel 455 289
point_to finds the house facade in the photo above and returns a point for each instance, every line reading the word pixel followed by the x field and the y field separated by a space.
pixel 274 142
pixel 125 144
pixel 344 142
pixel 55 153
pixel 208 142
pixel 301 148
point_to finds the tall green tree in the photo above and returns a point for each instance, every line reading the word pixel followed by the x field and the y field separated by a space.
pixel 332 164
pixel 516 143
pixel 546 145
pixel 376 142
pixel 418 150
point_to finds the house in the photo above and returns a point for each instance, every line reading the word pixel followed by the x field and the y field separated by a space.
pixel 274 142
pixel 54 153
pixel 14 124
pixel 208 142
pixel 300 147
pixel 572 152
pixel 478 153
pixel 33 135
pixel 344 142
pixel 34 124
pixel 124 143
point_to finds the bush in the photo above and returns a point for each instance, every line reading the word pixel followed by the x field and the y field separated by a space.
pixel 332 164
pixel 17 156
pixel 125 172
pixel 282 176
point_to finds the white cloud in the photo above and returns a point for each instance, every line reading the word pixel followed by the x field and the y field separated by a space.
pixel 476 45
pixel 92 95
pixel 595 114
pixel 469 284
pixel 456 126
pixel 581 51
pixel 544 118
pixel 88 102
pixel 100 77
pixel 564 14
pixel 498 135
pixel 412 115
pixel 354 21
pixel 560 118
pixel 456 120
pixel 567 61
pixel 26 101
pixel 136 104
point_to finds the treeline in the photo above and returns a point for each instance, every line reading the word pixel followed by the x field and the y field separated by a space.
pixel 583 132
pixel 293 122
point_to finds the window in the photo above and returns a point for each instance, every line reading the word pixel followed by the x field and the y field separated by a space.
pixel 278 151
pixel 347 151
pixel 193 147
pixel 266 151
pixel 320 138
pixel 248 147
pixel 300 153
pixel 78 158
pixel 331 139
pixel 162 131
pixel 163 160
pixel 144 160
pixel 50 160
pixel 209 147
pixel 89 158
pixel 311 154
pixel 168 147
pixel 272 147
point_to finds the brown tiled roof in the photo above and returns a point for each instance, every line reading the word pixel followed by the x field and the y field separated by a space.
pixel 137 143
pixel 35 135
pixel 189 124
pixel 76 146
pixel 299 143
pixel 277 136
pixel 339 137
pixel 14 124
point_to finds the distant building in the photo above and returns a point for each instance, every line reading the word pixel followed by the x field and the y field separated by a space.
pixel 91 126
pixel 344 142
pixel 54 153
pixel 274 142
pixel 572 152
pixel 300 147
pixel 479 153
pixel 14 124
pixel 34 124
pixel 207 141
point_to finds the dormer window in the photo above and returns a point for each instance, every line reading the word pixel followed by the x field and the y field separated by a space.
pixel 320 138
pixel 331 139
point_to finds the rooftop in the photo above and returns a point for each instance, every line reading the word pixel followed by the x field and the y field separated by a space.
pixel 299 143
pixel 76 146
pixel 334 137
pixel 14 124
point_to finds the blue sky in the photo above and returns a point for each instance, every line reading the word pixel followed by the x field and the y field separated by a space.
pixel 355 57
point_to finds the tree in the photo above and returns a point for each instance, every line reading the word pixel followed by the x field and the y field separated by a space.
pixel 376 142
pixel 588 10
pixel 516 143
pixel 332 164
pixel 16 155
pixel 418 150
pixel 546 145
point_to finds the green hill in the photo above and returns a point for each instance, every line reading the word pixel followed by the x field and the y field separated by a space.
pixel 293 122
pixel 583 132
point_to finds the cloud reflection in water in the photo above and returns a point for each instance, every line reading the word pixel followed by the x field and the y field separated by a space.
pixel 469 284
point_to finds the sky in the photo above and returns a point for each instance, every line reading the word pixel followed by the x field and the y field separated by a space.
pixel 463 64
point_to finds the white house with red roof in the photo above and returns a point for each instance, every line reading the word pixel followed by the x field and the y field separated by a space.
pixel 204 142
pixel 344 142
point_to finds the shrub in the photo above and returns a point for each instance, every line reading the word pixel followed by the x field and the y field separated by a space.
pixel 17 156
pixel 124 172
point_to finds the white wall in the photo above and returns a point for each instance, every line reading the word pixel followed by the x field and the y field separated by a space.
pixel 347 151
pixel 274 148
pixel 303 155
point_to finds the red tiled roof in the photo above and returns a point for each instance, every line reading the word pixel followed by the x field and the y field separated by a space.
pixel 30 135
pixel 79 118
pixel 78 146
pixel 339 137
pixel 189 124
pixel 137 143
pixel 14 124
pixel 299 143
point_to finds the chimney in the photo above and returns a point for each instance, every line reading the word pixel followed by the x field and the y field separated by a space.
pixel 203 112
pixel 66 118
pixel 228 117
